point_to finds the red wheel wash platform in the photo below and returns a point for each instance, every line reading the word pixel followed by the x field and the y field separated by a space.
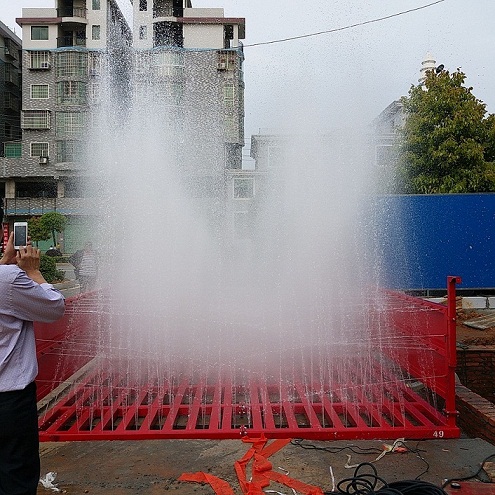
pixel 406 390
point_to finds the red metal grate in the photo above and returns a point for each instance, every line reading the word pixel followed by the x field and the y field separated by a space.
pixel 100 406
pixel 387 396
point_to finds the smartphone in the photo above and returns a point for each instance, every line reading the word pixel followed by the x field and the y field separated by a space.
pixel 20 234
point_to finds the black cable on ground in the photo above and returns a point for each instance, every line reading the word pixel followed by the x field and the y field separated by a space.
pixel 475 475
pixel 365 483
pixel 336 450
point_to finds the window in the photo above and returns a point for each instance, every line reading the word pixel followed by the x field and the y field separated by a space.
pixel 11 102
pixel 163 9
pixel 96 4
pixel 36 119
pixel 39 32
pixel 168 64
pixel 94 63
pixel 10 73
pixel 13 150
pixel 243 187
pixel 143 32
pixel 95 32
pixel 69 122
pixel 39 91
pixel 226 59
pixel 39 60
pixel 95 92
pixel 143 5
pixel 39 149
pixel 43 189
pixel 71 93
pixel 228 95
pixel 67 151
pixel 168 58
pixel 72 64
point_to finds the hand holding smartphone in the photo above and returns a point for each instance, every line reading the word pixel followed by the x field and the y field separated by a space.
pixel 20 234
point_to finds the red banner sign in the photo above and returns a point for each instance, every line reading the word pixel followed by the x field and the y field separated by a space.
pixel 5 237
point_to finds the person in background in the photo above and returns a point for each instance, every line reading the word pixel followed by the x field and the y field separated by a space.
pixel 25 297
pixel 85 262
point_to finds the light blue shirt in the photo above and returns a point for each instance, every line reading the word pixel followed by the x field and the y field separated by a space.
pixel 22 301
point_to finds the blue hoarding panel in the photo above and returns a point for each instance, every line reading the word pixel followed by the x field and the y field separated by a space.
pixel 421 239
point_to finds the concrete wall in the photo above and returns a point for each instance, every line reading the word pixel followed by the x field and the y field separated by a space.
pixel 51 42
pixel 203 36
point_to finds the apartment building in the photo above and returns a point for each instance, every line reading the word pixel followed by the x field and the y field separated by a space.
pixel 195 56
pixel 192 58
pixel 62 51
pixel 10 92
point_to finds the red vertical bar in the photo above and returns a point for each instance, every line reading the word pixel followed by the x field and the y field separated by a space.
pixel 256 407
pixel 450 409
pixel 216 407
pixel 195 408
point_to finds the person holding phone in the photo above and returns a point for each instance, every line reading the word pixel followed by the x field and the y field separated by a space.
pixel 25 297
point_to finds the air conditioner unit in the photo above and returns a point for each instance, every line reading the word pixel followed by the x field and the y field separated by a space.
pixel 222 66
pixel 43 160
pixel 44 65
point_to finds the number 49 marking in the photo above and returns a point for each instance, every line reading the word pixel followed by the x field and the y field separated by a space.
pixel 438 434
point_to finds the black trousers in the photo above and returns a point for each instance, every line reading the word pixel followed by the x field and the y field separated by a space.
pixel 19 442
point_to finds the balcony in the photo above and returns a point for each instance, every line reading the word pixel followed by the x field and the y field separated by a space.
pixel 71 40
pixel 38 206
pixel 163 12
pixel 72 12
pixel 11 102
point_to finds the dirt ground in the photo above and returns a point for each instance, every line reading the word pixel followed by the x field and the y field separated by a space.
pixel 154 466
pixel 472 336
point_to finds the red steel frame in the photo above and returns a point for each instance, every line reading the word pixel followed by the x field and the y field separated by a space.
pixel 95 405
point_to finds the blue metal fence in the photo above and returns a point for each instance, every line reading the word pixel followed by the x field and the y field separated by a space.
pixel 421 239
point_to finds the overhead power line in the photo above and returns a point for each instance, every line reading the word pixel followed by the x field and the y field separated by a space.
pixel 343 28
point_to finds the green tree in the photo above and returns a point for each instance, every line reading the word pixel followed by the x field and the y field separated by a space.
pixel 448 140
pixel 37 231
pixel 53 222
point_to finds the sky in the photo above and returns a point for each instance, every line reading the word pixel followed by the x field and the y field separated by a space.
pixel 345 78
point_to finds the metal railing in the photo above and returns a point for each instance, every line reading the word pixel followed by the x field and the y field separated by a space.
pixel 71 41
pixel 420 337
pixel 72 12
pixel 39 206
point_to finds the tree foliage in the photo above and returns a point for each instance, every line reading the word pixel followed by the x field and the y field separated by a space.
pixel 448 140
pixel 46 226
pixel 53 222
pixel 37 231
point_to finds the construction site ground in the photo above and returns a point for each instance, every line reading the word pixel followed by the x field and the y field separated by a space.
pixel 153 467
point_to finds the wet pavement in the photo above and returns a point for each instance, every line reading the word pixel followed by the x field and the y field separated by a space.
pixel 154 466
